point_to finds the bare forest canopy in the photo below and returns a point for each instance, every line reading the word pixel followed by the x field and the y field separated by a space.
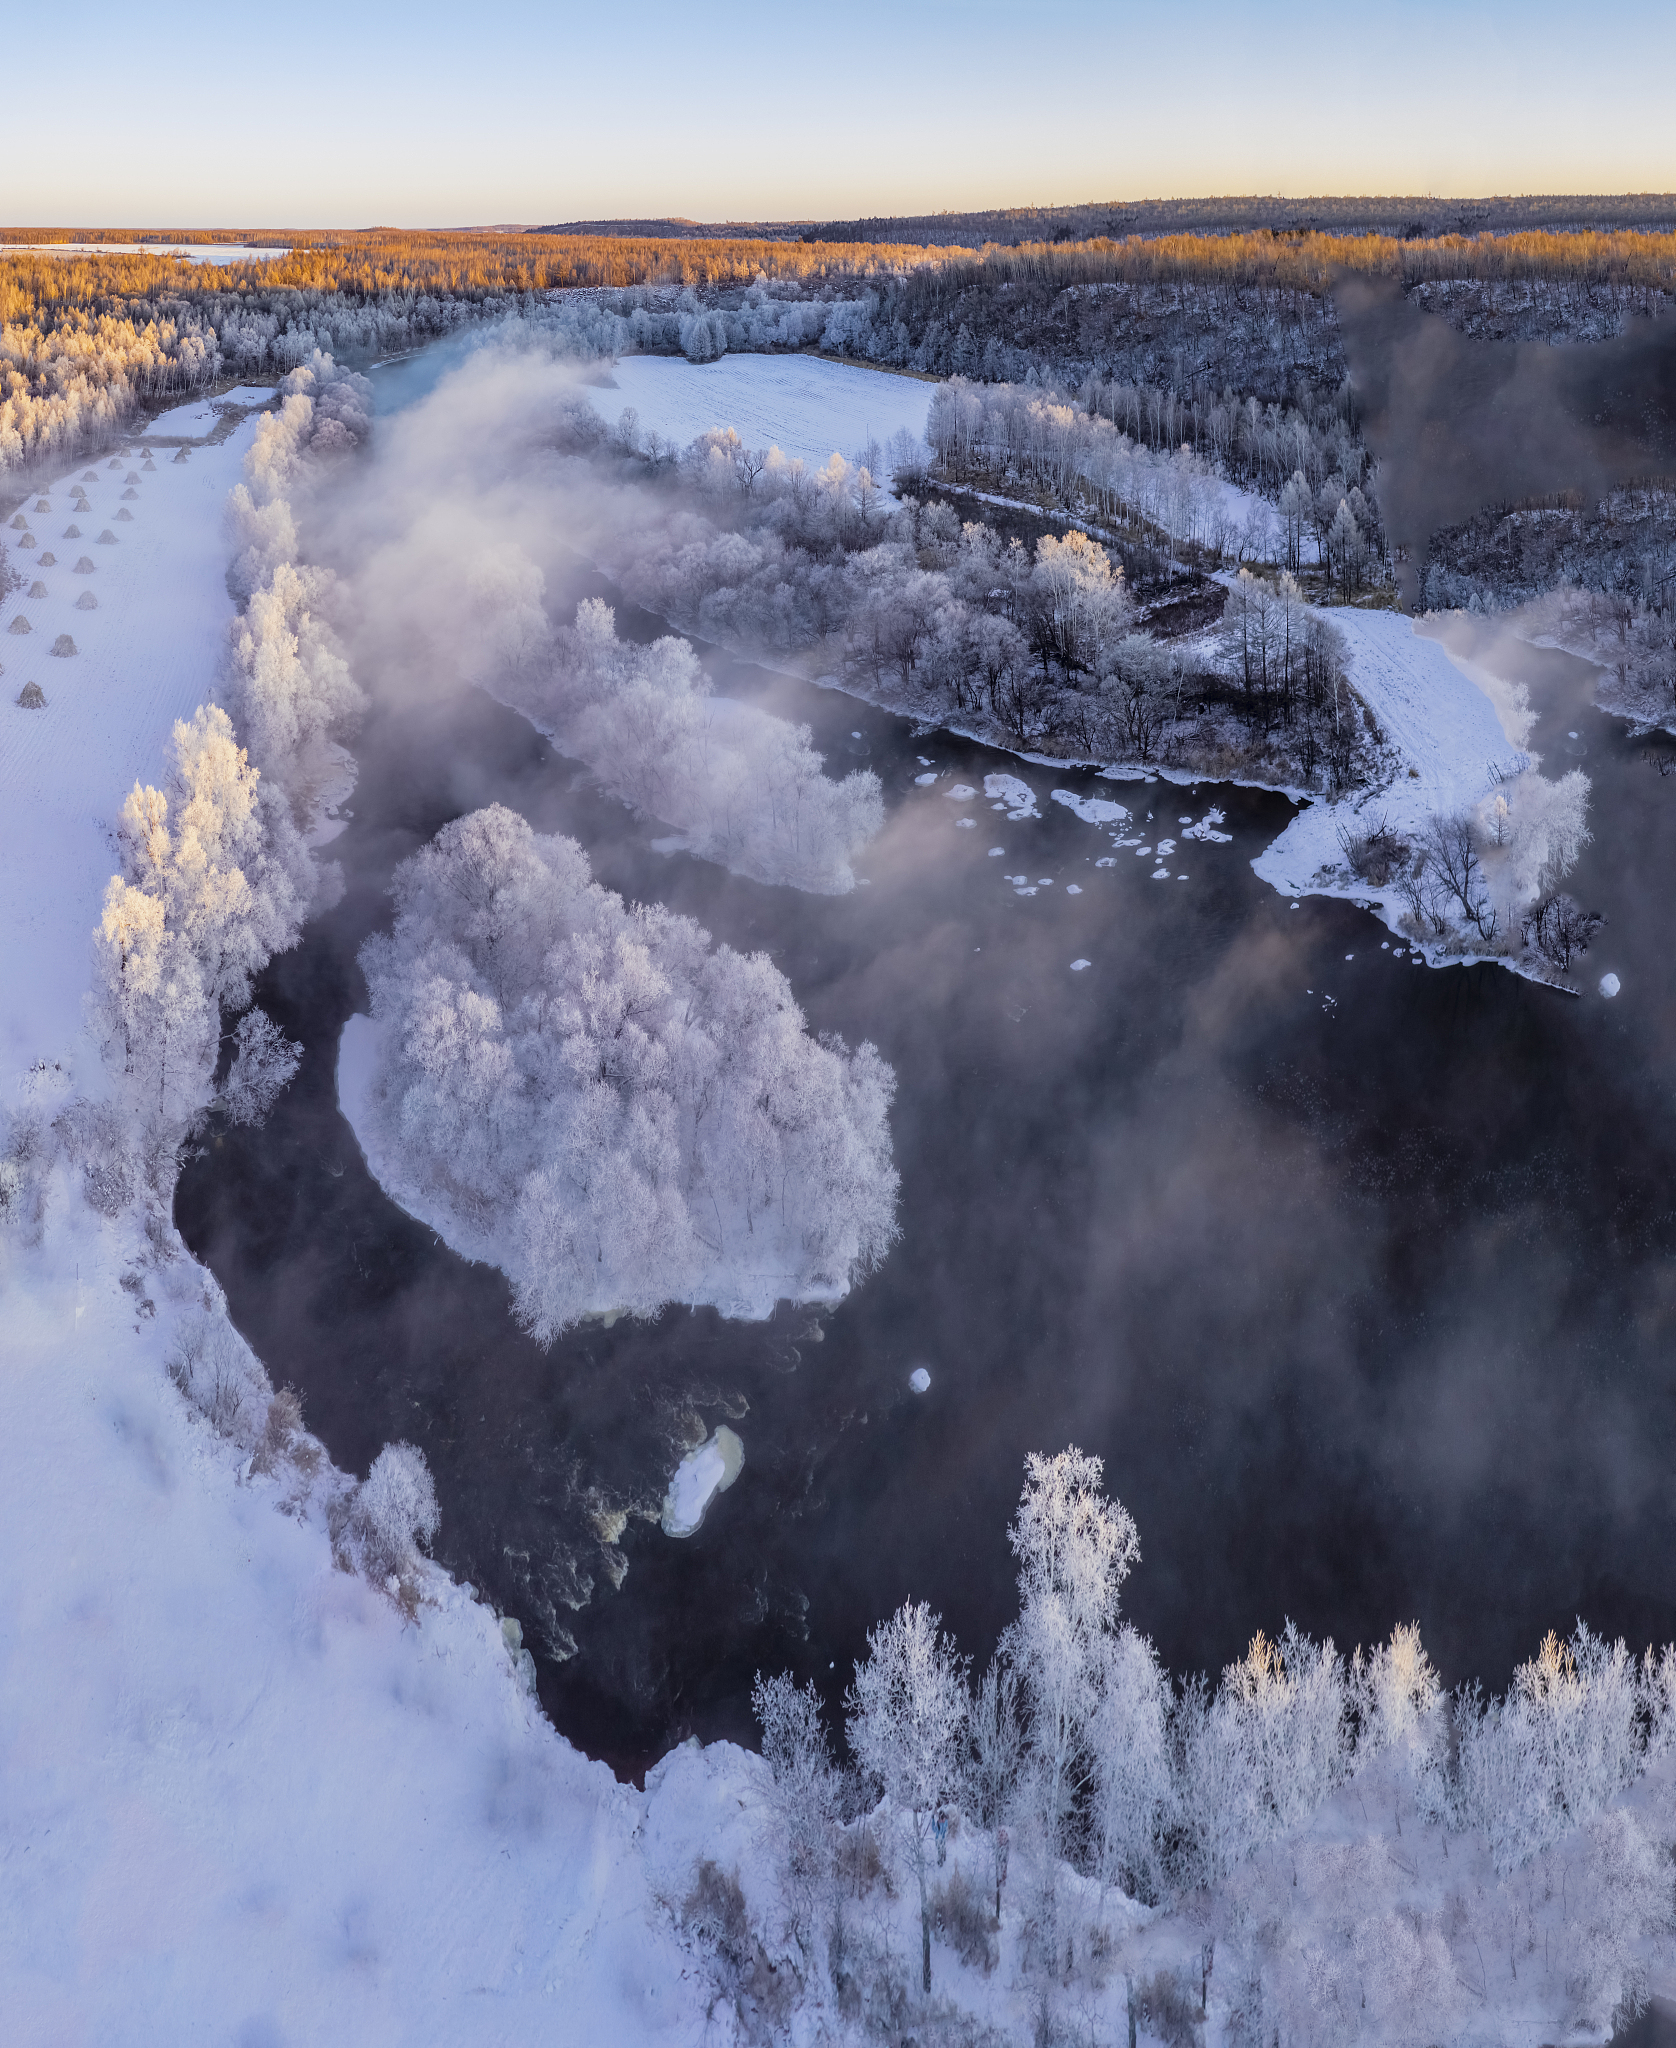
pixel 1420 216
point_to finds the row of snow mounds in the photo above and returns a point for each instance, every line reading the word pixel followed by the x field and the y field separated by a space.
pixel 146 614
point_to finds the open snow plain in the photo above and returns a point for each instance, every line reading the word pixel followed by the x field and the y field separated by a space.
pixel 806 407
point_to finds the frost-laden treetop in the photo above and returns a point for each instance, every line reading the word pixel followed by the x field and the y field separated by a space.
pixel 615 1111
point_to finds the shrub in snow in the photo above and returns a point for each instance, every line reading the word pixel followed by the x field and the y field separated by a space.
pixel 283 1439
pixel 616 1112
pixel 219 1374
pixel 263 1064
pixel 24 1160
pixel 395 1511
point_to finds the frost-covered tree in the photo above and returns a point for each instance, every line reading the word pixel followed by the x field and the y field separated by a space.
pixel 264 1062
pixel 995 1734
pixel 805 1807
pixel 1074 1547
pixel 616 1111
pixel 906 1713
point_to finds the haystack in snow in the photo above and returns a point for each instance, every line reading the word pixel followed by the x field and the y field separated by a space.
pixel 123 514
pixel 113 463
pixel 41 505
pixel 89 476
pixel 20 625
pixel 49 560
pixel 180 454
pixel 106 540
pixel 72 532
pixel 38 589
pixel 129 494
pixel 31 697
pixel 85 566
pixel 20 522
pixel 149 463
pixel 87 602
pixel 63 646
pixel 26 540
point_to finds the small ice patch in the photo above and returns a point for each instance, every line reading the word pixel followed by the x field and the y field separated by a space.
pixel 1165 848
pixel 920 1380
pixel 1184 821
pixel 995 852
pixel 1573 735
pixel 1206 829
pixel 925 781
pixel 1073 888
pixel 1160 874
pixel 699 1477
pixel 1092 810
pixel 1044 881
pixel 1078 965
pixel 1349 956
pixel 1105 861
pixel 1610 985
pixel 855 735
pixel 1024 892
pixel 923 762
pixel 1018 797
pixel 971 824
pixel 960 792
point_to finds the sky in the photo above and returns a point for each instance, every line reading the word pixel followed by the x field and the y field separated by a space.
pixel 430 115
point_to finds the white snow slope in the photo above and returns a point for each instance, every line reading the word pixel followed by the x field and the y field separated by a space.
pixel 1450 734
pixel 802 405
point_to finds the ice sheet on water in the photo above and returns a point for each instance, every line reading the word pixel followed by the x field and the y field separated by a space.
pixel 1018 797
pixel 699 1477
pixel 925 781
pixel 1073 888
pixel 960 792
pixel 1092 810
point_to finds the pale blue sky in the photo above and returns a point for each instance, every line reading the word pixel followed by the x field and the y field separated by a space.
pixel 336 115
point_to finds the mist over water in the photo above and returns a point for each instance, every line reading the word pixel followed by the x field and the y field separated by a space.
pixel 1459 424
pixel 1357 1274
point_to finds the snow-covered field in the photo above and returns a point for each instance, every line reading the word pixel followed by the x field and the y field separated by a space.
pixel 192 252
pixel 149 654
pixel 799 404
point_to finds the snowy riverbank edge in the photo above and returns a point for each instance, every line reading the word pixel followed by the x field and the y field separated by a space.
pixel 1453 730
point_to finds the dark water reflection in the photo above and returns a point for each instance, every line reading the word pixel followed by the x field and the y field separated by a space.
pixel 1367 1303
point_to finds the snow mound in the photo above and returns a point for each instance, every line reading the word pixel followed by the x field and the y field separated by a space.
pixel 1092 810
pixel 1016 798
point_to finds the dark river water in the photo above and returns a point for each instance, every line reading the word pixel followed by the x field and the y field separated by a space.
pixel 1358 1275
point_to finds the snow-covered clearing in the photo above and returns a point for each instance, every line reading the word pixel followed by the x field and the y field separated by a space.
pixel 150 653
pixel 802 405
pixel 192 252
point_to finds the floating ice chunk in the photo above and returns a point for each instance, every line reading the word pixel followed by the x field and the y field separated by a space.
pixel 699 1477
pixel 1184 821
pixel 1024 892
pixel 1160 874
pixel 920 1380
pixel 1385 945
pixel 1573 735
pixel 925 781
pixel 1078 965
pixel 995 852
pixel 1206 829
pixel 1018 797
pixel 1073 888
pixel 961 792
pixel 855 735
pixel 971 824
pixel 1610 985
pixel 1105 861
pixel 1092 810
pixel 1181 878
pixel 1165 848
pixel 1044 881
pixel 1349 956
pixel 923 762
